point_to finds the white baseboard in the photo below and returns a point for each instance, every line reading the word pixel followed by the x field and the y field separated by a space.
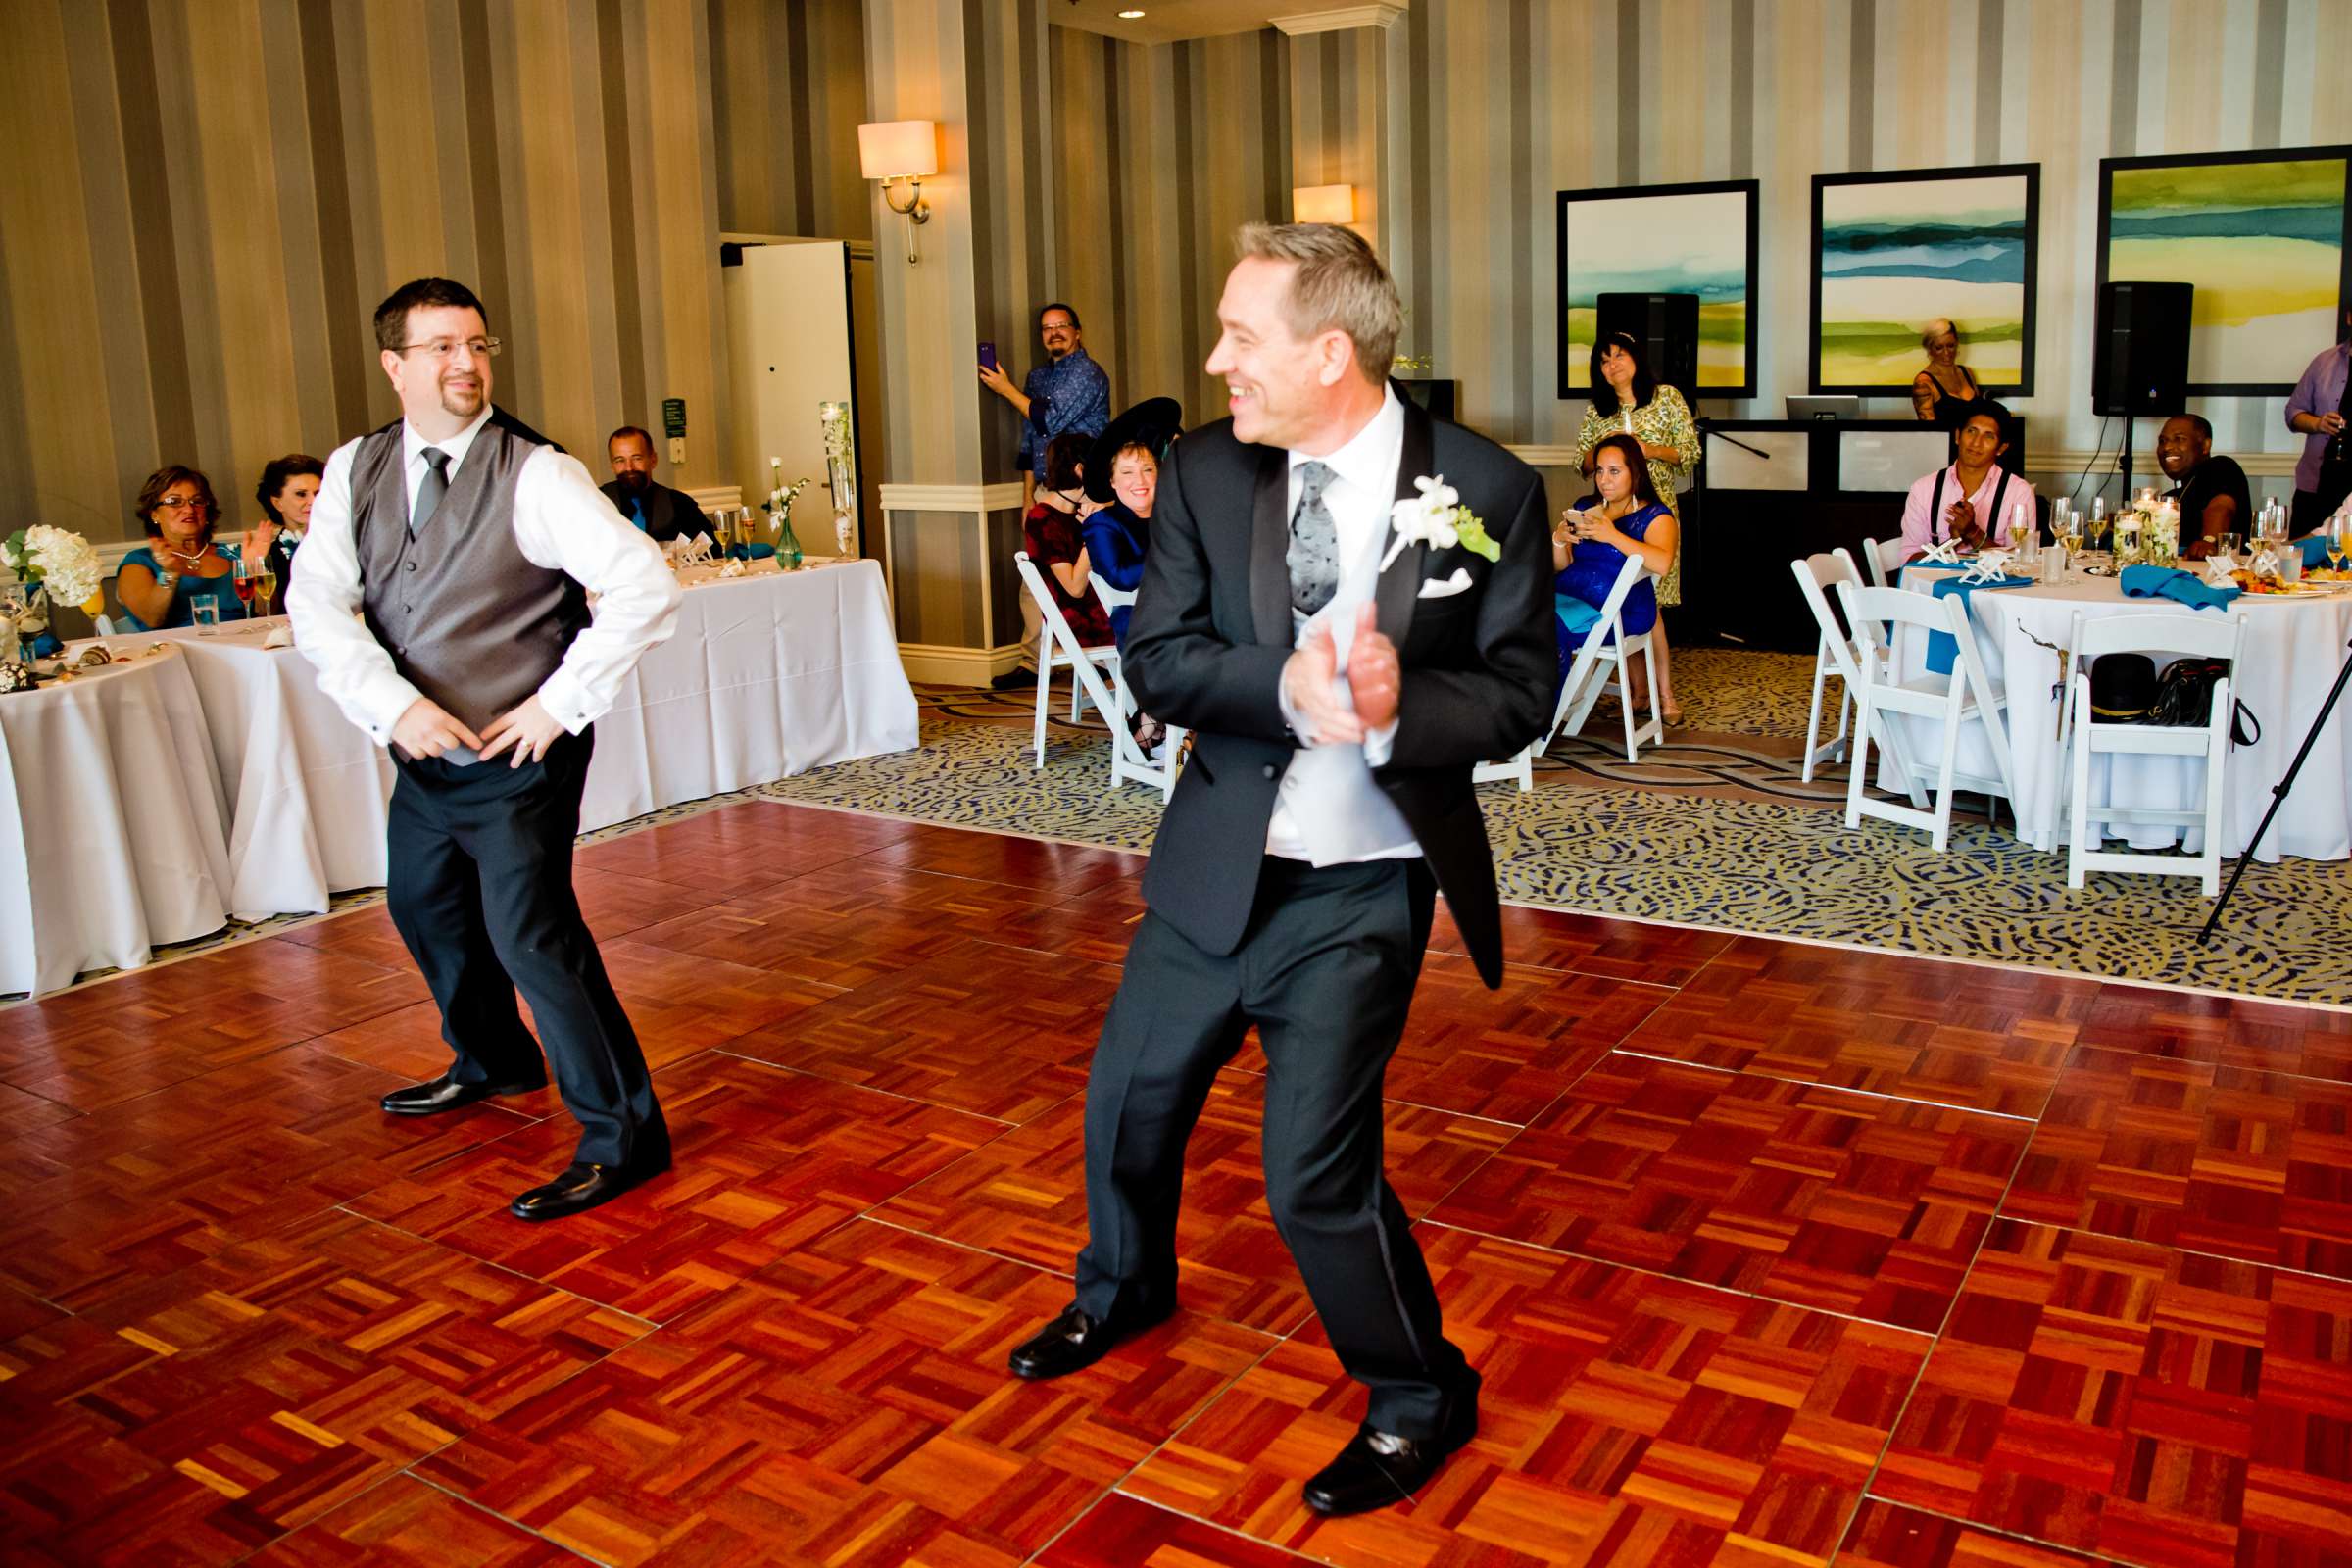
pixel 943 665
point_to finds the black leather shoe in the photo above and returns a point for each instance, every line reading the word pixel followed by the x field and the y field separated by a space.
pixel 1379 1468
pixel 583 1187
pixel 1076 1340
pixel 445 1093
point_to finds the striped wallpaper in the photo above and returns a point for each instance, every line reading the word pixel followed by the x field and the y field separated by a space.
pixel 225 189
pixel 788 95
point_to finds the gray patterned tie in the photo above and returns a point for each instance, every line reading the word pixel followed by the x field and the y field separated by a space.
pixel 430 489
pixel 1314 553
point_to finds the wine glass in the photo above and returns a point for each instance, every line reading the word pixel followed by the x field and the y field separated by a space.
pixel 2340 539
pixel 243 580
pixel 264 585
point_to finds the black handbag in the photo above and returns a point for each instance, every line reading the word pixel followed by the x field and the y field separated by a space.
pixel 2184 695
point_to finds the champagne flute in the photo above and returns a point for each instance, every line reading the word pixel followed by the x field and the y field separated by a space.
pixel 2340 539
pixel 264 585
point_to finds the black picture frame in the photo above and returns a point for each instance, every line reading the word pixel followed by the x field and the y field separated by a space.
pixel 2031 174
pixel 2262 155
pixel 1575 377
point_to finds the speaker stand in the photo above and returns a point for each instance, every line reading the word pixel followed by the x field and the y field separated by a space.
pixel 2124 498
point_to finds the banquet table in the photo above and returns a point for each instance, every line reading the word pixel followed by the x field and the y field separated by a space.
pixel 111 822
pixel 285 801
pixel 2293 648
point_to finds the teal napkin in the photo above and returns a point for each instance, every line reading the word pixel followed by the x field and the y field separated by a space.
pixel 750 552
pixel 2315 550
pixel 1943 649
pixel 1575 615
pixel 2182 587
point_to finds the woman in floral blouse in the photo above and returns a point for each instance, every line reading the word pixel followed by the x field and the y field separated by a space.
pixel 1626 399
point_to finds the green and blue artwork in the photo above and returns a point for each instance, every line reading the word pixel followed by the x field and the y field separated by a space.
pixel 1670 239
pixel 2262 238
pixel 1894 252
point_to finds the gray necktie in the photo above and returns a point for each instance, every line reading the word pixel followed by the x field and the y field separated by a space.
pixel 1314 553
pixel 430 489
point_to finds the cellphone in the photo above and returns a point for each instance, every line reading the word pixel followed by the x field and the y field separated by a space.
pixel 988 355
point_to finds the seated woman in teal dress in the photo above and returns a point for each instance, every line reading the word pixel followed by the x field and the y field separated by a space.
pixel 1590 546
pixel 160 583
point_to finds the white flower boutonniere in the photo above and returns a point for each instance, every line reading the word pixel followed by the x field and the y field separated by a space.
pixel 1437 518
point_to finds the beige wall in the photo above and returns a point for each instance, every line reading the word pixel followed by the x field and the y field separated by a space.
pixel 205 199
pixel 789 93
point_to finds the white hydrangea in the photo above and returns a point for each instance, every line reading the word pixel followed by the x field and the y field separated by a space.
pixel 70 567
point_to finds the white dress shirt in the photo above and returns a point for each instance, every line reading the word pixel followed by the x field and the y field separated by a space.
pixel 563 523
pixel 1363 489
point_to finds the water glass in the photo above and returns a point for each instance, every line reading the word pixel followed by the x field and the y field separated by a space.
pixel 206 612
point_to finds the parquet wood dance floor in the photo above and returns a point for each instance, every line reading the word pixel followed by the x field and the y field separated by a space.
pixel 1768 1255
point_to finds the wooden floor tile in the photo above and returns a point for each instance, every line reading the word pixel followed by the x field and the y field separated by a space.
pixel 1507 1054
pixel 1587 944
pixel 1887 1534
pixel 766 1160
pixel 406 1524
pixel 158 1027
pixel 847 1404
pixel 1069 869
pixel 147 1188
pixel 2129 1401
pixel 998 1031
pixel 682 1003
pixel 2214 1159
pixel 1120 1532
pixel 2226 1031
pixel 1955 1034
pixel 741 847
pixel 1625 1419
pixel 18 1110
pixel 266 1386
pixel 1841 1202
pixel 1024 1196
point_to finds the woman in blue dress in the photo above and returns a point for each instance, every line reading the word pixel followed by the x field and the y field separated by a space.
pixel 1117 534
pixel 160 583
pixel 1588 548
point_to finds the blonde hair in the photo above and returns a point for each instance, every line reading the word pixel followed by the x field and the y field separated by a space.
pixel 1934 330
pixel 1340 285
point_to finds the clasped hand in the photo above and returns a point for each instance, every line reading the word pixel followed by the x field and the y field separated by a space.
pixel 427 729
pixel 1375 681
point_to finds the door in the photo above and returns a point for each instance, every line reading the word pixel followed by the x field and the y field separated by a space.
pixel 788 343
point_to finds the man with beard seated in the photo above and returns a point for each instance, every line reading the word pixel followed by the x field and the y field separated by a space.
pixel 661 512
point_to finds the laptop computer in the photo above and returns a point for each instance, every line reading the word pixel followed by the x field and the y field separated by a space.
pixel 1825 408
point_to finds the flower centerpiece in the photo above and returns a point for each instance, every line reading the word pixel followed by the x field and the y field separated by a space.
pixel 778 505
pixel 54 565
pixel 840 473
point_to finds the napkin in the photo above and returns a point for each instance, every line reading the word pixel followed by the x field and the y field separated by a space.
pixel 1943 649
pixel 755 551
pixel 1575 615
pixel 279 637
pixel 2315 550
pixel 2170 582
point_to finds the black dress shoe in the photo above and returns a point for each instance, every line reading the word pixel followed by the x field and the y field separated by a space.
pixel 583 1187
pixel 1379 1468
pixel 1077 1339
pixel 445 1093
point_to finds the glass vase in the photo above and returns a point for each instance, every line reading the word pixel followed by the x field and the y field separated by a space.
pixel 788 547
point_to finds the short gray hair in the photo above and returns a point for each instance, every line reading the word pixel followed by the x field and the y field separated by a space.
pixel 1340 284
pixel 1934 330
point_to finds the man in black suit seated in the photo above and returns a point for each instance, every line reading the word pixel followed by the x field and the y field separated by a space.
pixel 660 512
pixel 1340 695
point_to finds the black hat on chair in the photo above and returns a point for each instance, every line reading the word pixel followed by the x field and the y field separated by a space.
pixel 1153 423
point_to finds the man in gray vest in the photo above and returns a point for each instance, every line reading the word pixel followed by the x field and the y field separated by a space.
pixel 469 551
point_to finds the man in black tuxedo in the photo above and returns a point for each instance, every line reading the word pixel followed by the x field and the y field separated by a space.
pixel 1338 710
pixel 659 511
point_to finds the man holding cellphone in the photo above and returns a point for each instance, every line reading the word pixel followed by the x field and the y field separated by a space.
pixel 1069 392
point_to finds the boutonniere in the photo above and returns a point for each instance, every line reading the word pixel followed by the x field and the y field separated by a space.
pixel 1437 518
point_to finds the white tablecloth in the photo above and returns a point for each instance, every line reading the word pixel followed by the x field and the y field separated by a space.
pixel 111 824
pixel 2295 646
pixel 769 674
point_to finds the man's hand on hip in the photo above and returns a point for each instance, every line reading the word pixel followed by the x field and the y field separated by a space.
pixel 1374 676
pixel 427 729
pixel 1310 686
pixel 529 728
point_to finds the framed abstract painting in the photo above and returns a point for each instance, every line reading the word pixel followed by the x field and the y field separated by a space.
pixel 2264 239
pixel 1663 239
pixel 1894 251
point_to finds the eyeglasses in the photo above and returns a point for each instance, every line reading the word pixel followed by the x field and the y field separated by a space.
pixel 178 503
pixel 441 348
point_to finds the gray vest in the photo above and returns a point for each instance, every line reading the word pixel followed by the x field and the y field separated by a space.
pixel 466 618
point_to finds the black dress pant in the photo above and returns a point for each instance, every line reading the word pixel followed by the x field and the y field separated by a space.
pixel 481 893
pixel 1326 971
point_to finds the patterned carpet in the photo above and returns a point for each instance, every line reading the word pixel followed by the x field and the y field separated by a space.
pixel 1714 829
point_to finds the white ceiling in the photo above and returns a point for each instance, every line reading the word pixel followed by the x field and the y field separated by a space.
pixel 1167 20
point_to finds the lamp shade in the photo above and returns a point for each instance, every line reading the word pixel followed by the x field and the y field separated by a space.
pixel 1323 204
pixel 895 149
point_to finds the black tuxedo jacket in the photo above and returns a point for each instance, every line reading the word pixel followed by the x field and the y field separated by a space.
pixel 668 513
pixel 1212 630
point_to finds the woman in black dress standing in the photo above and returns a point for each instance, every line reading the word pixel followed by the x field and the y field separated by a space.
pixel 1945 393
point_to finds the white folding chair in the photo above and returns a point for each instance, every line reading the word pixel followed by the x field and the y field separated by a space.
pixel 2195 635
pixel 1057 648
pixel 1885 556
pixel 1608 645
pixel 1816 579
pixel 1964 696
pixel 1161 773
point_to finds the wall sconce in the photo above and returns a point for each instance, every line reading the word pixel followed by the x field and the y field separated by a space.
pixel 902 149
pixel 1323 204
